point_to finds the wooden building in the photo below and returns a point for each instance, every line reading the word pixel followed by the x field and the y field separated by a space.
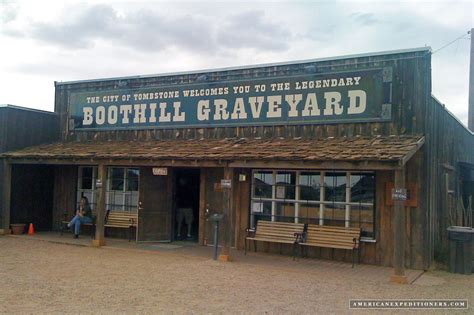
pixel 319 141
pixel 22 127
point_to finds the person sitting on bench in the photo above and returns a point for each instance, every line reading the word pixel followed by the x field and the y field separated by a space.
pixel 83 216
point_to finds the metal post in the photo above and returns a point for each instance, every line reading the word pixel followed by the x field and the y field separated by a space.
pixel 216 239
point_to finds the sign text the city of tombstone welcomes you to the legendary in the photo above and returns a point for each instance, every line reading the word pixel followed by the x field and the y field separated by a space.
pixel 324 98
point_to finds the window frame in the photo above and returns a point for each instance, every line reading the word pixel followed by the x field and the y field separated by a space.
pixel 91 193
pixel 322 202
pixel 124 193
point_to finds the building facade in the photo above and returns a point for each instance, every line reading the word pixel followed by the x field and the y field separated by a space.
pixel 22 127
pixel 320 141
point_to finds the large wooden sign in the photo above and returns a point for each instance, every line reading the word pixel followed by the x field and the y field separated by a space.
pixel 305 99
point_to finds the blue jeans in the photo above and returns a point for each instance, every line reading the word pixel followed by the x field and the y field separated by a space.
pixel 77 221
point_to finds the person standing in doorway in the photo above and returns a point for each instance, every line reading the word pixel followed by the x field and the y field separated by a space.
pixel 83 216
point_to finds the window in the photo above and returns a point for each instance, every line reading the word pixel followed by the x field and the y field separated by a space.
pixel 86 185
pixel 122 189
pixel 325 198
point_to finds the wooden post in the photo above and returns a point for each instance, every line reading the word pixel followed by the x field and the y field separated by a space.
pixel 6 193
pixel 100 208
pixel 202 208
pixel 399 232
pixel 227 221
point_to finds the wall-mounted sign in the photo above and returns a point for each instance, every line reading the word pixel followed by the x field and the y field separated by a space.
pixel 399 194
pixel 280 192
pixel 304 99
pixel 226 183
pixel 160 171
pixel 257 207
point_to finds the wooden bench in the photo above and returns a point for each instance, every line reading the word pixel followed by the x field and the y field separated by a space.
pixel 274 232
pixel 121 220
pixel 113 219
pixel 331 237
pixel 65 222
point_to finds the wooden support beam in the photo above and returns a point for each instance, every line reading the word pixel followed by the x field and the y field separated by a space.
pixel 202 207
pixel 6 193
pixel 100 208
pixel 399 232
pixel 227 221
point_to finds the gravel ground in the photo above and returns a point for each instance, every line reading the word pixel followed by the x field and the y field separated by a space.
pixel 42 277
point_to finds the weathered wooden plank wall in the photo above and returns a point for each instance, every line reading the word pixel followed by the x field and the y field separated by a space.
pixel 214 200
pixel 64 200
pixel 20 128
pixel 25 128
pixel 454 143
pixel 36 205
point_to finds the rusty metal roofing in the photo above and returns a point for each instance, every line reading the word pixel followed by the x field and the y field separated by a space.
pixel 378 148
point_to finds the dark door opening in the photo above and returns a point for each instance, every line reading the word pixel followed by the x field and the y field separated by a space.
pixel 186 205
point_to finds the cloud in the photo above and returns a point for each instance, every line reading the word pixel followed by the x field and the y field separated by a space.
pixel 250 29
pixel 8 11
pixel 77 32
pixel 147 30
pixel 366 19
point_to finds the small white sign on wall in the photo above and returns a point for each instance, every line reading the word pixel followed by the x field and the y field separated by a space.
pixel 280 192
pixel 257 207
pixel 160 171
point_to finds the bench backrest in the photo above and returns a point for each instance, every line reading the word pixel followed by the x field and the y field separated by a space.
pixel 332 236
pixel 278 230
pixel 121 218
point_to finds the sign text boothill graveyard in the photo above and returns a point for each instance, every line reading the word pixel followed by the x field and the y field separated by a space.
pixel 309 99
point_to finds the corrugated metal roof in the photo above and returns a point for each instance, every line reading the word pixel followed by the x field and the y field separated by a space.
pixel 379 148
pixel 26 109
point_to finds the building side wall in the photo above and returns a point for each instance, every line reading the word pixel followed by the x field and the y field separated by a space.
pixel 27 128
pixel 21 128
pixel 3 145
pixel 454 144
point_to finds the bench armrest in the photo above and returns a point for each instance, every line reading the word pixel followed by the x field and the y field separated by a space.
pixel 356 241
pixel 300 237
pixel 250 232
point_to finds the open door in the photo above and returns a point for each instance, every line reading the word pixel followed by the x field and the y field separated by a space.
pixel 154 215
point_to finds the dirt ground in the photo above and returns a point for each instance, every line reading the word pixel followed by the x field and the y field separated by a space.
pixel 42 277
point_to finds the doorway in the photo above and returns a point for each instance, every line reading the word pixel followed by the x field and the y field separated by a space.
pixel 186 205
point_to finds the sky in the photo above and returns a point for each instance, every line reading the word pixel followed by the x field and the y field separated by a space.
pixel 42 42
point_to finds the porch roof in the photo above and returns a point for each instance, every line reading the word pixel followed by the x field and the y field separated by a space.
pixel 395 150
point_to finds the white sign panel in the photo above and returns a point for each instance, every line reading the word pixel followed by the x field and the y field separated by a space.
pixel 160 171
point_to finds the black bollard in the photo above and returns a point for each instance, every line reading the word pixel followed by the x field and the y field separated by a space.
pixel 215 218
pixel 216 239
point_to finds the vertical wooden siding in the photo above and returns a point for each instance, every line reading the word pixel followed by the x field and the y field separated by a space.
pixel 64 200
